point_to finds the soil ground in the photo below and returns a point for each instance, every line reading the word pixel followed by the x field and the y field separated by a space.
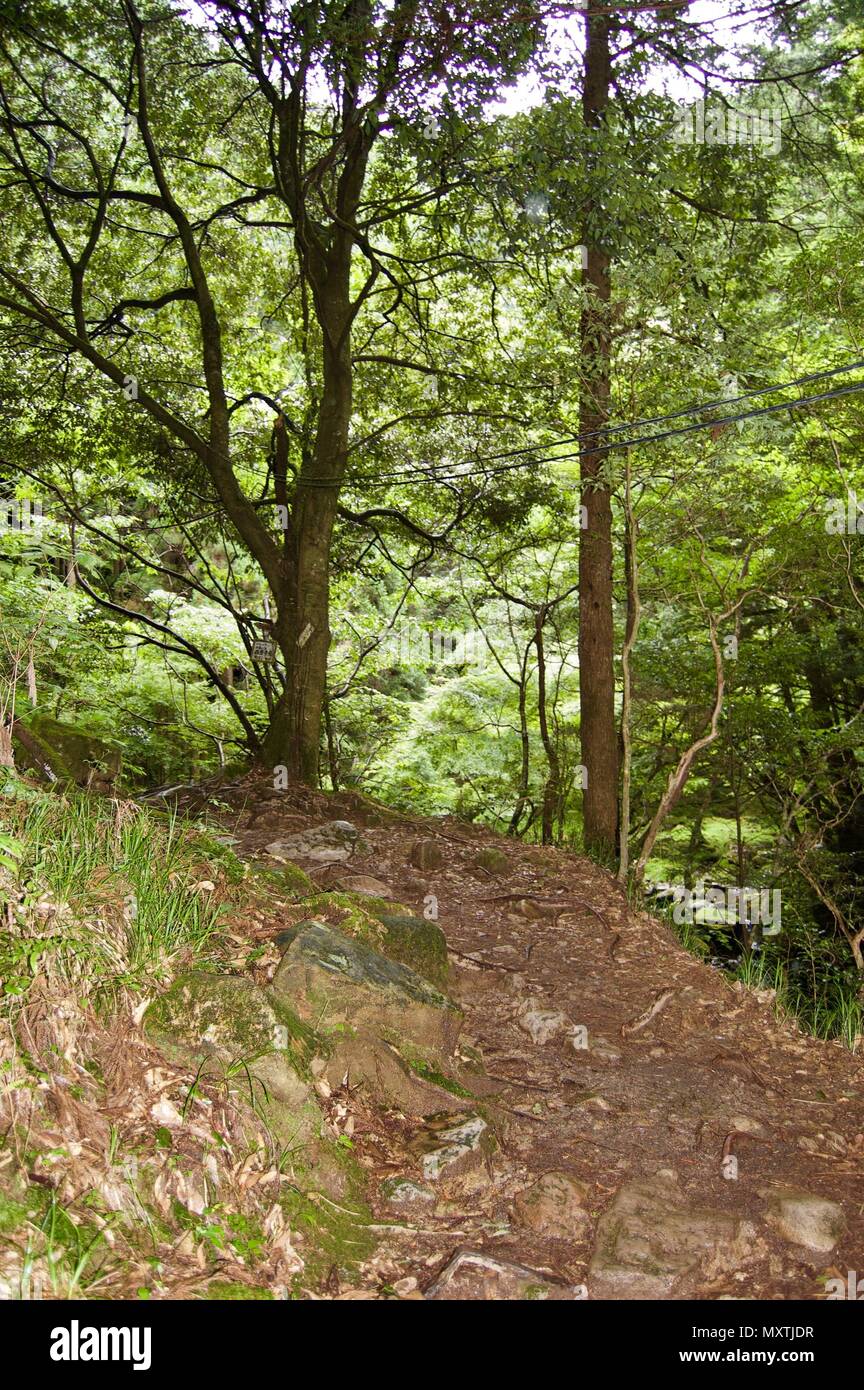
pixel 715 1060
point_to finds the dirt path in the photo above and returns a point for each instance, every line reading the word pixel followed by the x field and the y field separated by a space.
pixel 681 1070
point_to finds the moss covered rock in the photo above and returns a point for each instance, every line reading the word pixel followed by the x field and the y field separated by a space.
pixel 386 927
pixel 71 755
pixel 494 861
pixel 300 885
pixel 413 1087
pixel 426 854
pixel 230 1023
pixel 336 980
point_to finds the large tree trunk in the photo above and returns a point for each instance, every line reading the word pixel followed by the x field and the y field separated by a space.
pixel 596 631
pixel 302 625
pixel 302 632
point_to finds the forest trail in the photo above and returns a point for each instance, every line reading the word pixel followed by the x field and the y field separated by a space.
pixel 682 1070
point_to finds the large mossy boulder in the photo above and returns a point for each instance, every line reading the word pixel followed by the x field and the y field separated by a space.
pixel 338 981
pixel 70 754
pixel 386 927
pixel 237 1032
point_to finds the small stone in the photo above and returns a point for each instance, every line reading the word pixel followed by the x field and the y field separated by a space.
pixel 494 861
pixel 402 1192
pixel 553 1206
pixel 405 1286
pixel 602 1050
pixel 747 1125
pixel 805 1219
pixel 458 1148
pixel 366 885
pixel 835 1143
pixel 426 854
pixel 541 1024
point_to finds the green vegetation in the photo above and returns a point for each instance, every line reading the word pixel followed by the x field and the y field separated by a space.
pixel 442 411
pixel 105 904
pixel 681 696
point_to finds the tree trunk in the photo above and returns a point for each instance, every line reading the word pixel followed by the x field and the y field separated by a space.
pixel 634 618
pixel 552 789
pixel 332 758
pixel 302 631
pixel 513 827
pixel 302 625
pixel 7 757
pixel 596 630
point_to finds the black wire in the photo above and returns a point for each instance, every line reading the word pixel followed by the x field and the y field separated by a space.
pixel 411 476
pixel 688 410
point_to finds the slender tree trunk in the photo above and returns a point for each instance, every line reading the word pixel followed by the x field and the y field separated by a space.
pixel 7 758
pixel 332 760
pixel 513 827
pixel 634 617
pixel 552 789
pixel 678 778
pixel 596 630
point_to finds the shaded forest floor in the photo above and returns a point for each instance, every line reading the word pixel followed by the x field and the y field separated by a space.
pixel 652 1103
pixel 623 1121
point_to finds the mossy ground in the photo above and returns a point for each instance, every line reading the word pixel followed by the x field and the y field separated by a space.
pixel 223 1291
pixel 336 1234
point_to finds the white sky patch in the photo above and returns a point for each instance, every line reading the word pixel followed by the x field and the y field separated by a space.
pixel 567 40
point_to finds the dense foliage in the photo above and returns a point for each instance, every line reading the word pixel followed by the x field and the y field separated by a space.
pixel 289 309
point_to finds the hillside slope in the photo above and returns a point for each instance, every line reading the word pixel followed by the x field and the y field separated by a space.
pixel 302 1046
pixel 699 1145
